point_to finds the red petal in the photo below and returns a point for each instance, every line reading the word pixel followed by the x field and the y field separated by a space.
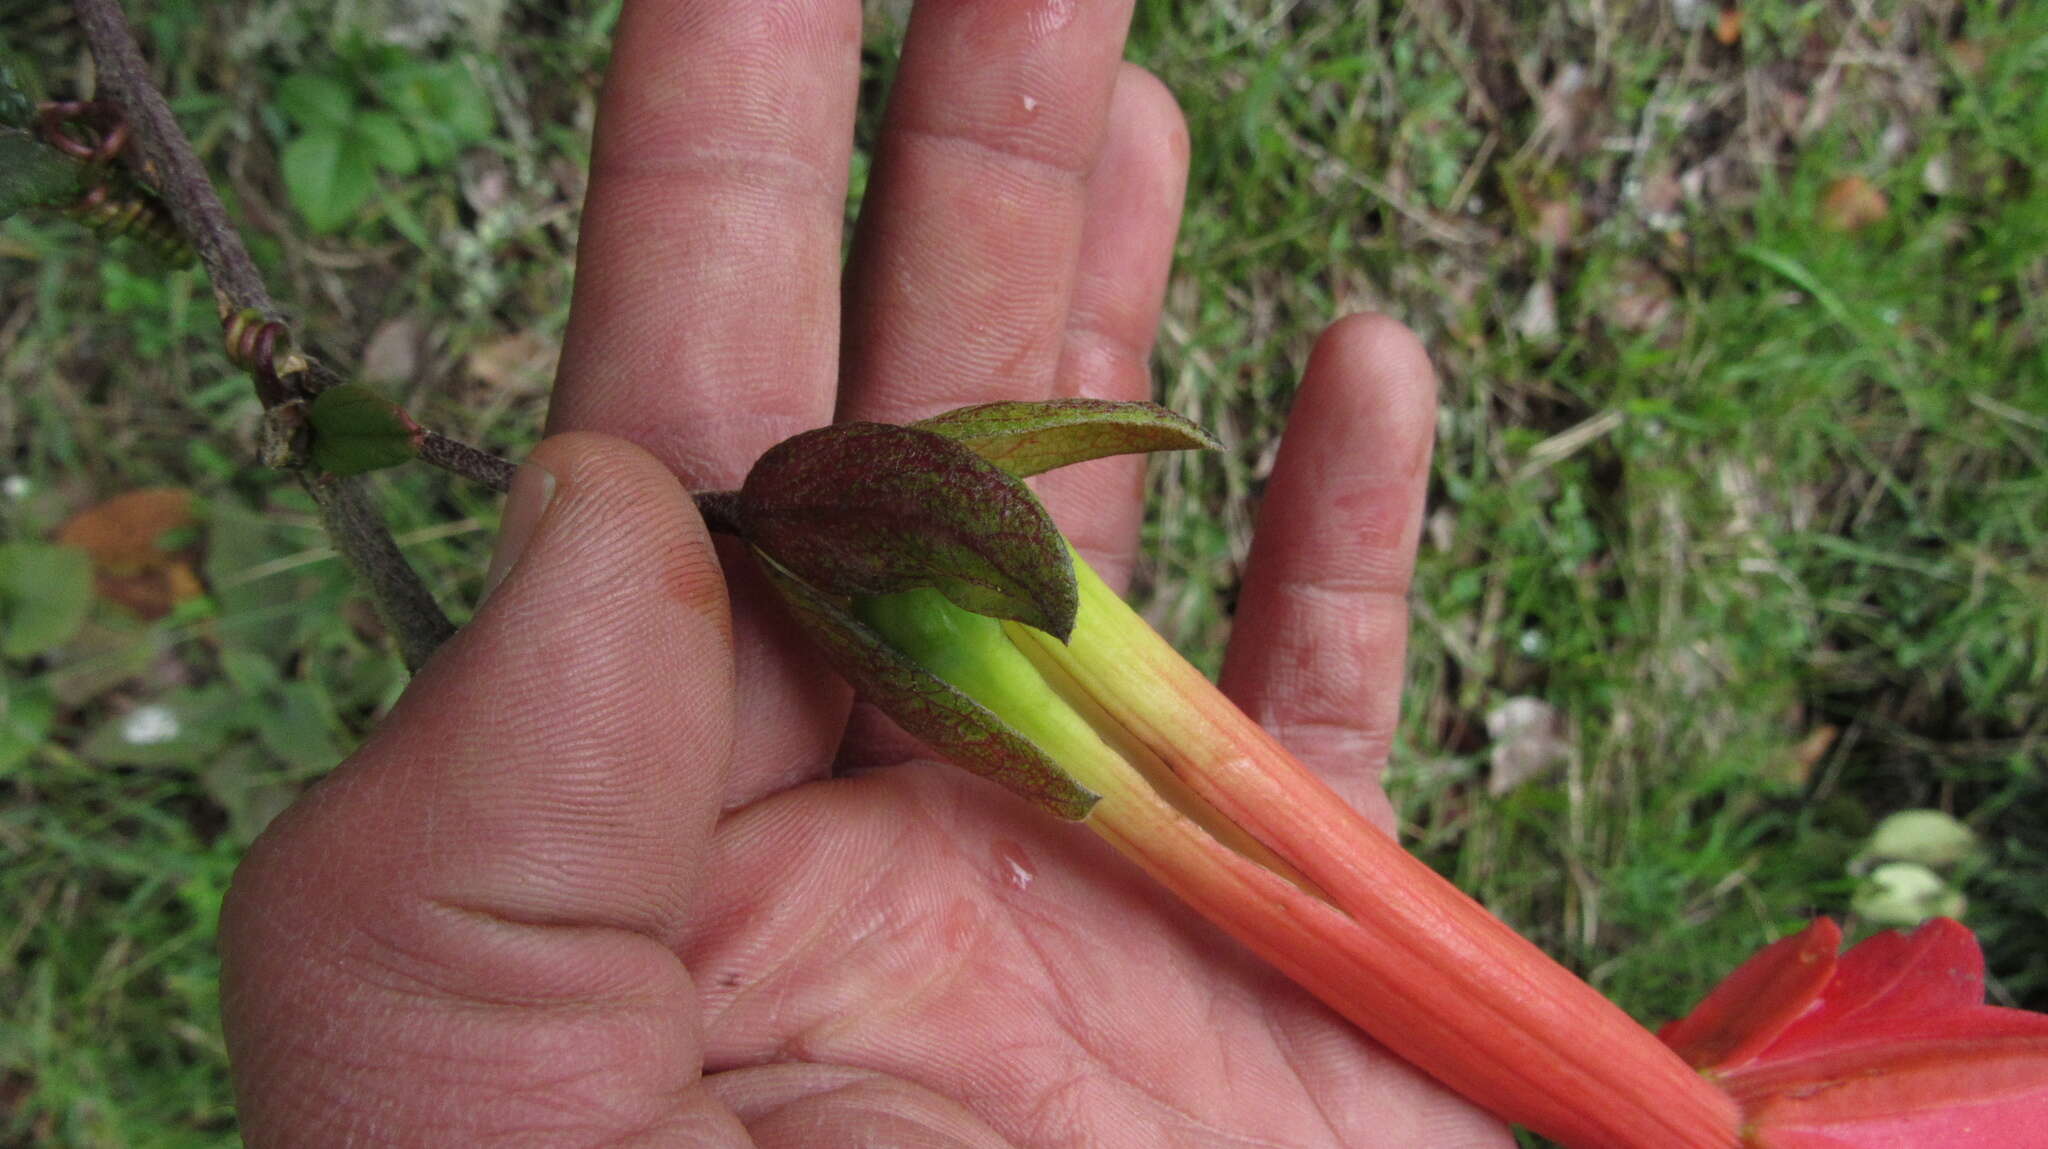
pixel 1767 993
pixel 1886 1045
pixel 1979 1092
pixel 1891 975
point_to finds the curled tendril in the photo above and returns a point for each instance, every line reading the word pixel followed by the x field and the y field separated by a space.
pixel 116 206
pixel 95 132
pixel 255 343
pixel 102 129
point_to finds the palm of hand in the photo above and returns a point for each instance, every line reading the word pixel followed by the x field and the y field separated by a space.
pixel 960 950
pixel 592 882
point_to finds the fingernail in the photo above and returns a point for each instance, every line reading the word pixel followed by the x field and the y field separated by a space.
pixel 532 489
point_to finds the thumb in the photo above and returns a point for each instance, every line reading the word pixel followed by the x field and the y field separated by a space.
pixel 559 763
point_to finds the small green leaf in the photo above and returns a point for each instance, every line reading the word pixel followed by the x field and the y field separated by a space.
pixel 443 104
pixel 389 141
pixel 315 101
pixel 45 592
pixel 33 174
pixel 357 430
pixel 175 729
pixel 460 102
pixel 299 727
pixel 329 174
pixel 926 707
pixel 438 144
pixel 873 509
pixel 250 673
pixel 26 711
pixel 1025 438
pixel 249 787
pixel 252 610
pixel 17 97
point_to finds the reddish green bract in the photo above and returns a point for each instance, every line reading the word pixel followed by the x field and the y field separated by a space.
pixel 1026 438
pixel 874 509
pixel 932 711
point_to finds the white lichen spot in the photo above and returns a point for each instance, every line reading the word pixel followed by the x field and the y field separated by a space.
pixel 16 486
pixel 149 726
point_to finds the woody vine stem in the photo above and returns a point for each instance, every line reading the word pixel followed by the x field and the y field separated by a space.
pixel 259 341
pixel 352 521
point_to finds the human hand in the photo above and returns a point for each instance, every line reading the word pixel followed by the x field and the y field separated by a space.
pixel 593 880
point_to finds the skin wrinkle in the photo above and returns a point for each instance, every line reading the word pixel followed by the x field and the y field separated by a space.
pixel 1005 154
pixel 1073 1017
pixel 760 69
pixel 648 180
pixel 944 111
pixel 1013 314
pixel 342 1093
pixel 1283 1042
pixel 803 951
pixel 1072 1014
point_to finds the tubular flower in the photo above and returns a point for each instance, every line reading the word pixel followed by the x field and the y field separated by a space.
pixel 931 578
pixel 1889 1045
pixel 1202 798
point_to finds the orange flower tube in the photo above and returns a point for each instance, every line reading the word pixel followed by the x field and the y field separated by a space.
pixel 1196 793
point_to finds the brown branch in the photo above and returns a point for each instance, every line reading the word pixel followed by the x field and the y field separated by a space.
pixel 472 463
pixel 169 163
pixel 721 509
pixel 365 544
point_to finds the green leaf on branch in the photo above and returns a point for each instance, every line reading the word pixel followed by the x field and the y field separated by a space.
pixel 925 706
pixel 873 509
pixel 1025 438
pixel 34 174
pixel 45 592
pixel 357 430
pixel 329 174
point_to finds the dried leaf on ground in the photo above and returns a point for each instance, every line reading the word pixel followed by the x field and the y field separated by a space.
pixel 1536 319
pixel 1852 203
pixel 125 537
pixel 1795 769
pixel 1556 222
pixel 393 353
pixel 1638 297
pixel 1728 29
pixel 1529 740
pixel 521 361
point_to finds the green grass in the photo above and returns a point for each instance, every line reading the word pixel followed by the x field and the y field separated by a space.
pixel 1756 480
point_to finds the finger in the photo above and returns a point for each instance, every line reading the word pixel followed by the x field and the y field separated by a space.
pixel 964 259
pixel 465 931
pixel 1322 623
pixel 1133 213
pixel 705 324
pixel 706 316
